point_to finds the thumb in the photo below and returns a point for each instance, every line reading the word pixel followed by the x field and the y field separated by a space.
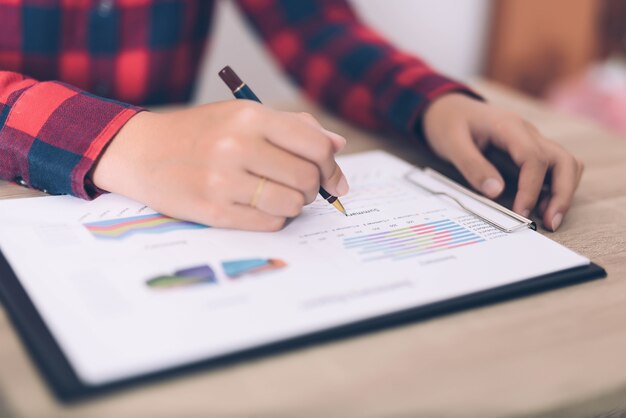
pixel 477 170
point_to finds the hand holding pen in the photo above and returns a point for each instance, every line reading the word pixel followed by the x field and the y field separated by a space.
pixel 242 91
pixel 234 164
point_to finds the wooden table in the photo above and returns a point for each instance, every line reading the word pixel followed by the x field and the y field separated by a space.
pixel 560 353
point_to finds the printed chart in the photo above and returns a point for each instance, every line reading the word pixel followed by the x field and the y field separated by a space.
pixel 121 228
pixel 366 197
pixel 238 268
pixel 411 241
pixel 184 278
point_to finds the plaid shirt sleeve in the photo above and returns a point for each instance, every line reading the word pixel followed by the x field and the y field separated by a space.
pixel 347 66
pixel 51 133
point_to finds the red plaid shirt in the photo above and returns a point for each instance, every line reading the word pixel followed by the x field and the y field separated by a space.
pixel 68 68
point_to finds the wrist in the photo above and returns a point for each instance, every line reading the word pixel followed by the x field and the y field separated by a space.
pixel 450 108
pixel 122 159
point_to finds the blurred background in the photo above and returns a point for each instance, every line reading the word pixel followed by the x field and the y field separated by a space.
pixel 572 53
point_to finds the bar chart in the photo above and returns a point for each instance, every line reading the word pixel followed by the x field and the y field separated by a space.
pixel 184 278
pixel 235 269
pixel 412 241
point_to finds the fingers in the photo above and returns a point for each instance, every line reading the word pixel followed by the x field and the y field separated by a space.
pixel 476 169
pixel 531 176
pixel 224 214
pixel 280 166
pixel 274 204
pixel 524 146
pixel 566 174
pixel 237 216
pixel 306 141
pixel 537 156
pixel 271 198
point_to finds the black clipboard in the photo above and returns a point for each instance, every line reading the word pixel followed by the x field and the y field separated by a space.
pixel 64 382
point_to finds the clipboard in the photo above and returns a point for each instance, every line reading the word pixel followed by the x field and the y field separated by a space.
pixel 67 387
pixel 57 369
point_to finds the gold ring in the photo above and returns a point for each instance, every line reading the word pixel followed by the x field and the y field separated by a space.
pixel 257 193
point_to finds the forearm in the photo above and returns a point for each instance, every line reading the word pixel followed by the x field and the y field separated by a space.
pixel 347 66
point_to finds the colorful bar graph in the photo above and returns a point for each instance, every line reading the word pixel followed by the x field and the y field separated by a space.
pixel 184 278
pixel 122 228
pixel 412 241
pixel 251 266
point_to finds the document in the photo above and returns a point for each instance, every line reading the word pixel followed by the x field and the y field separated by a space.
pixel 127 291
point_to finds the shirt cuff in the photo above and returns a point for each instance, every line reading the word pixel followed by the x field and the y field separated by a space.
pixel 57 134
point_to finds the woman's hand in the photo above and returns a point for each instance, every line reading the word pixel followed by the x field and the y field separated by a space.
pixel 206 164
pixel 457 128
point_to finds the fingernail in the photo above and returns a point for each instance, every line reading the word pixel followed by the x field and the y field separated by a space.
pixel 526 213
pixel 492 187
pixel 556 221
pixel 342 186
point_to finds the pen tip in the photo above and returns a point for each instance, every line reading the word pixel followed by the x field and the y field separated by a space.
pixel 337 204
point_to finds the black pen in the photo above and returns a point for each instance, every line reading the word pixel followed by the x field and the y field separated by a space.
pixel 241 91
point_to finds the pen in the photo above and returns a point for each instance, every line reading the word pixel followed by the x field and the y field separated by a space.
pixel 241 91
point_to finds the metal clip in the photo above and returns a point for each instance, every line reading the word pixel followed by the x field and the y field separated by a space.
pixel 522 222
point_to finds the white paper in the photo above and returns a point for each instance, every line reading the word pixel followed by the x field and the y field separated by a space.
pixel 100 272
